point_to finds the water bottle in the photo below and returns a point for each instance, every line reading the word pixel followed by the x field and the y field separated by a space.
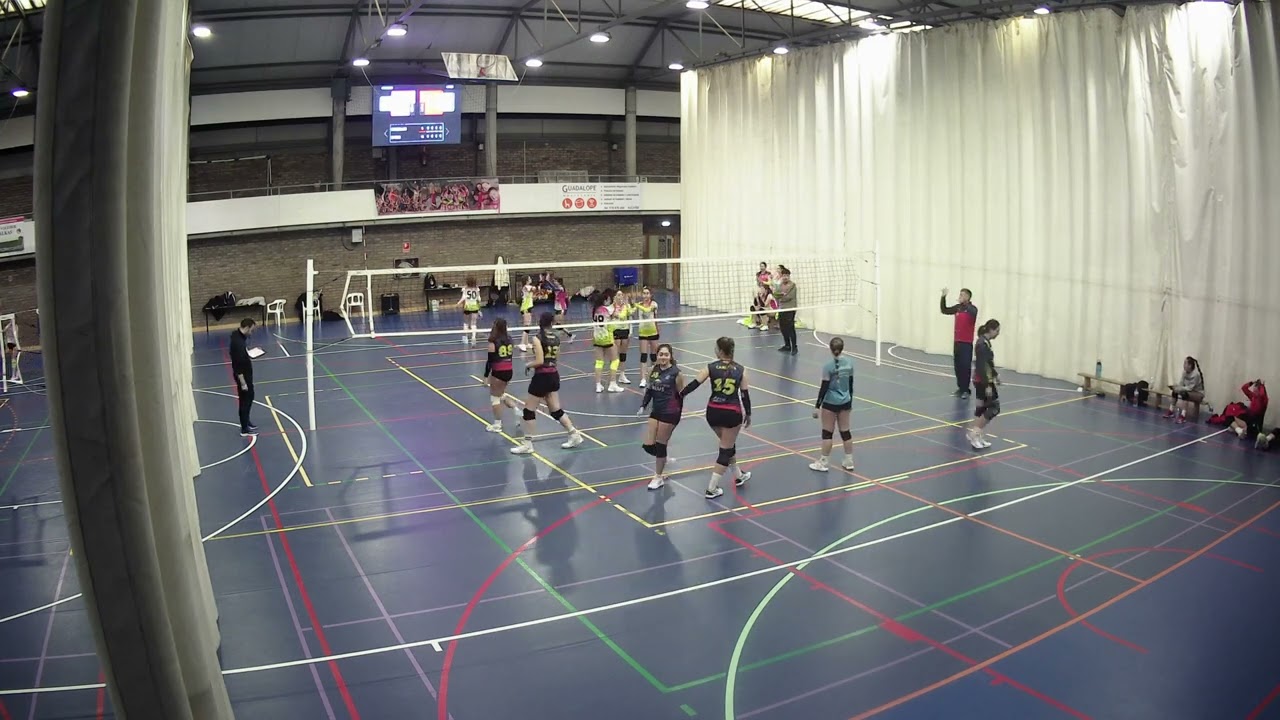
pixel 1097 372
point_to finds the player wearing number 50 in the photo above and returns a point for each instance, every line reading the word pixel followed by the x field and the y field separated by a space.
pixel 470 304
pixel 498 371
pixel 728 411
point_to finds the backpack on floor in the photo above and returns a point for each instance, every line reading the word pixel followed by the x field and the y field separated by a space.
pixel 1135 393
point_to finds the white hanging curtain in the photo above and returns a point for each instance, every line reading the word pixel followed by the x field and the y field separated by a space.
pixel 1103 183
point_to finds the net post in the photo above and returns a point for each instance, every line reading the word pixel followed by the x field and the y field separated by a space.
pixel 308 319
pixel 876 274
pixel 368 304
pixel 346 316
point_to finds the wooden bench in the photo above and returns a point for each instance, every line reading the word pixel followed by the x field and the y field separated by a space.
pixel 1159 398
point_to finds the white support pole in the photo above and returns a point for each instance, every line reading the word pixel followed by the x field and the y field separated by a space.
pixel 368 304
pixel 308 319
pixel 878 312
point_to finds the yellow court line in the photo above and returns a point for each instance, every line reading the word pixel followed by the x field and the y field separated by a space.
pixel 535 455
pixel 275 415
pixel 541 412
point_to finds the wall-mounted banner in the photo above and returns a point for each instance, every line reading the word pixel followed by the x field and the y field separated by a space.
pixel 414 197
pixel 601 197
pixel 17 236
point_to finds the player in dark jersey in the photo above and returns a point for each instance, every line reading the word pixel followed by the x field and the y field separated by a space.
pixel 985 379
pixel 662 391
pixel 544 387
pixel 497 369
pixel 728 411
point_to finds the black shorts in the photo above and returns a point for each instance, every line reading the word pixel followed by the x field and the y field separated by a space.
pixel 470 312
pixel 543 384
pixel 649 338
pixel 621 334
pixel 989 407
pixel 503 375
pixel 842 407
pixel 665 417
pixel 723 418
pixel 1252 423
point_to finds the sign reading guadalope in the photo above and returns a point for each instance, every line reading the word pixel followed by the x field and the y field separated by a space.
pixel 601 197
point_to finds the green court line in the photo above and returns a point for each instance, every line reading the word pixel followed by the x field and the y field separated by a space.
pixel 14 472
pixel 731 674
pixel 689 711
pixel 600 634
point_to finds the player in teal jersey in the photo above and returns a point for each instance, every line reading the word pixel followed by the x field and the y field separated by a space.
pixel 835 402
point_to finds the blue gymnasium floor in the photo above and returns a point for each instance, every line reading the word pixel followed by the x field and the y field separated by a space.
pixel 1096 562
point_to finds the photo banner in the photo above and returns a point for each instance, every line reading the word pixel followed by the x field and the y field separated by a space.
pixel 416 197
pixel 601 197
pixel 17 236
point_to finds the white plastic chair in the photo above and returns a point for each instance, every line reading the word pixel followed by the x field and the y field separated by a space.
pixel 354 300
pixel 276 310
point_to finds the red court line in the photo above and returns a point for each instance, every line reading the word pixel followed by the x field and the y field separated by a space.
pixel 1142 493
pixel 1073 621
pixel 100 710
pixel 1062 584
pixel 306 597
pixel 900 630
pixel 446 672
pixel 4 712
pixel 1257 712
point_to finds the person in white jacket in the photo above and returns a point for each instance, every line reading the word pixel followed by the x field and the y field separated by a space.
pixel 501 280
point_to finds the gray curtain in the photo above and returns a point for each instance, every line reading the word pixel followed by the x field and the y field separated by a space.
pixel 110 180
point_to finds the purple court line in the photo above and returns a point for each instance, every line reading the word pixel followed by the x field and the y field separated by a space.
pixel 72 656
pixel 576 583
pixel 48 633
pixel 984 626
pixel 788 539
pixel 297 626
pixel 395 631
pixel 32 555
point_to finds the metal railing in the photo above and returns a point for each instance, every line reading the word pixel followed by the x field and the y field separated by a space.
pixel 373 184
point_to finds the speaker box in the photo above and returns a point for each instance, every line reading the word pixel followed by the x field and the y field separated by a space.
pixel 391 303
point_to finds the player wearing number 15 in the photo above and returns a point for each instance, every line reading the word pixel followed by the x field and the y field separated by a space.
pixel 728 411
pixel 498 371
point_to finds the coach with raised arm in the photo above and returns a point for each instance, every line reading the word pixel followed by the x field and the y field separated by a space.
pixel 966 314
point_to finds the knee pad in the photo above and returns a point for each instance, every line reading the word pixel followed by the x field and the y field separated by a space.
pixel 557 414
pixel 846 436
pixel 529 414
pixel 725 457
pixel 827 434
pixel 613 364
pixel 599 364
pixel 660 450
pixel 495 400
pixel 644 358
pixel 650 449
pixel 622 357
pixel 992 410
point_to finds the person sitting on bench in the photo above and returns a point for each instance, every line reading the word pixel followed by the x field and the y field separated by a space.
pixel 1189 390
pixel 1250 423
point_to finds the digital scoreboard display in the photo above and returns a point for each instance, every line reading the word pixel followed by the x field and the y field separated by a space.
pixel 417 115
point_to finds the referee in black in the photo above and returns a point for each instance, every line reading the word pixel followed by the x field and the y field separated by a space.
pixel 242 368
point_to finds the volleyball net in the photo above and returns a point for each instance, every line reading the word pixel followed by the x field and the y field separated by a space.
pixel 833 295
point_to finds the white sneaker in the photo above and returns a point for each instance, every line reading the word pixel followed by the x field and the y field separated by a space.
pixel 742 479
pixel 613 387
pixel 575 439
pixel 493 427
pixel 622 378
pixel 848 464
pixel 643 382
pixel 985 442
pixel 599 388
pixel 974 440
pixel 657 482
pixel 713 494
pixel 524 448
pixel 819 465
pixel 524 348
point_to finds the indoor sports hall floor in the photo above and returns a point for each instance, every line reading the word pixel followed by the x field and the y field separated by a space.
pixel 1096 562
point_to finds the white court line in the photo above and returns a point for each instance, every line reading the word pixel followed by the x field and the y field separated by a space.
pixel 909 360
pixel 435 643
pixel 284 349
pixel 24 429
pixel 288 478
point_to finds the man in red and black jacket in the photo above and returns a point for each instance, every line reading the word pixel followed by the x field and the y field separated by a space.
pixel 966 314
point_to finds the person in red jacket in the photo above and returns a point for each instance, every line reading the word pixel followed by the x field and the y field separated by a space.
pixel 1250 423
pixel 966 314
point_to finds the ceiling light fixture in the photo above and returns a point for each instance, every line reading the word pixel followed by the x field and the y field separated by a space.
pixel 398 29
pixel 600 37
pixel 666 223
pixel 697 5
pixel 360 62
pixel 675 66
pixel 533 63
pixel 1042 10
pixel 201 31
pixel 781 50
pixel 21 92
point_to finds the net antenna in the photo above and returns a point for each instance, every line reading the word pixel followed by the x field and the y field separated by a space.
pixel 837 295
pixel 11 364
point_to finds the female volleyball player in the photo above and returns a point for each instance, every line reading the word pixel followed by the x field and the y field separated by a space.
pixel 985 379
pixel 835 401
pixel 663 393
pixel 602 338
pixel 647 331
pixel 621 308
pixel 498 371
pixel 561 301
pixel 545 387
pixel 526 310
pixel 728 411
pixel 470 304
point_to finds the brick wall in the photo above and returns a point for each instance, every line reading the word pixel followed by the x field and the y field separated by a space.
pixel 16 197
pixel 273 264
pixel 18 296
